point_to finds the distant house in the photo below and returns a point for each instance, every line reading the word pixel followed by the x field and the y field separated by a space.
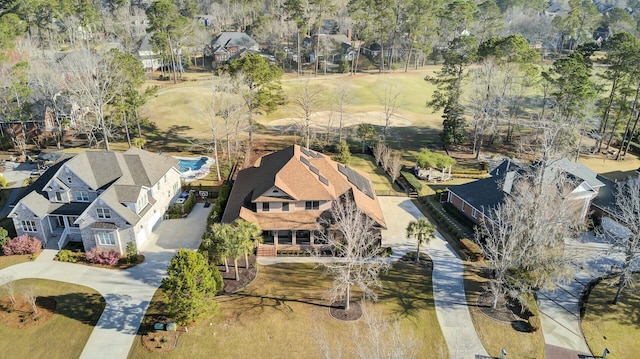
pixel 103 199
pixel 146 54
pixel 227 44
pixel 288 191
pixel 477 198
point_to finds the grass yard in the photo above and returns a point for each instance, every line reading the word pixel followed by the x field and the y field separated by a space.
pixel 8 261
pixel 65 334
pixel 381 181
pixel 496 335
pixel 616 327
pixel 283 313
pixel 613 170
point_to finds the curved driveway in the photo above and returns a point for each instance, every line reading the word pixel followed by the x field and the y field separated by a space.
pixel 448 273
pixel 127 292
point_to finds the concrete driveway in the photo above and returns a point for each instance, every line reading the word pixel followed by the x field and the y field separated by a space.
pixel 560 309
pixel 127 292
pixel 448 272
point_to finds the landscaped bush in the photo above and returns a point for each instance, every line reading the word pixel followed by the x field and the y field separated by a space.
pixel 132 252
pixel 221 202
pixel 97 256
pixel 412 180
pixel 23 244
pixel 472 247
pixel 66 255
pixel 188 204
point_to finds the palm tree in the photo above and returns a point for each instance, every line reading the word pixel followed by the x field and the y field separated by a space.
pixel 214 241
pixel 253 234
pixel 236 246
pixel 423 231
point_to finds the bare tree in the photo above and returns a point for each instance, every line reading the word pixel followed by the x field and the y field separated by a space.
pixel 376 338
pixel 93 81
pixel 342 98
pixel 10 288
pixel 391 101
pixel 378 152
pixel 627 243
pixel 355 240
pixel 395 165
pixel 29 294
pixel 523 237
pixel 306 100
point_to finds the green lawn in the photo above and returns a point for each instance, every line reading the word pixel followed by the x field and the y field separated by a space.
pixel 496 335
pixel 8 261
pixel 616 327
pixel 381 181
pixel 65 334
pixel 283 313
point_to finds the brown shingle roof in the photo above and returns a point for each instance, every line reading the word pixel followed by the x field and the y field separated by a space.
pixel 302 174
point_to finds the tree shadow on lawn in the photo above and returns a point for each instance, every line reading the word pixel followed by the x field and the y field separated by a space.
pixel 83 307
pixel 409 287
pixel 174 135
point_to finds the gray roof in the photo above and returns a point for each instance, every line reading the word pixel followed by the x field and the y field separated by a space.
pixel 121 175
pixel 577 170
pixel 239 39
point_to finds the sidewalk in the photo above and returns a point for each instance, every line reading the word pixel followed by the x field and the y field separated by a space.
pixel 448 272
pixel 127 292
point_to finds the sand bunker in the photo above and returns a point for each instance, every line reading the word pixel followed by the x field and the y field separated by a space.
pixel 320 121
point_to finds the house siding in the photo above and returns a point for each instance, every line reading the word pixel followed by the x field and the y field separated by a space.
pixel 43 231
pixel 465 207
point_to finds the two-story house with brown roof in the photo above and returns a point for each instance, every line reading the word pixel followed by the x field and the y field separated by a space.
pixel 287 191
pixel 104 199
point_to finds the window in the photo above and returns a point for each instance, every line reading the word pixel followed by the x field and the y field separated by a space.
pixel 142 202
pixel 103 213
pixel 106 238
pixel 69 180
pixel 58 196
pixel 309 205
pixel 285 207
pixel 265 206
pixel 474 213
pixel 81 196
pixel 29 226
pixel 73 219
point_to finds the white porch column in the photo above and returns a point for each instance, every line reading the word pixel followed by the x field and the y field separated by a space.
pixel 275 238
pixel 311 237
pixel 293 237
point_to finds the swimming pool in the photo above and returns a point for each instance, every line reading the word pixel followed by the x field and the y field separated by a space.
pixel 186 165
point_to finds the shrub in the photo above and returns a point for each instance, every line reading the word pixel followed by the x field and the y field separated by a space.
pixel 4 237
pixel 472 247
pixel 66 255
pixel 23 244
pixel 412 180
pixel 132 252
pixel 97 256
pixel 221 202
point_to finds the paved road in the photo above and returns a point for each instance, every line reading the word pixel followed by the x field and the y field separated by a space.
pixel 127 292
pixel 560 311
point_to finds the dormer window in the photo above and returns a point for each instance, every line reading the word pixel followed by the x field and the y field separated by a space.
pixel 285 206
pixel 81 196
pixel 103 213
pixel 265 206
pixel 59 196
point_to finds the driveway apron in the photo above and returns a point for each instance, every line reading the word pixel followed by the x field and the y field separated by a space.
pixel 127 292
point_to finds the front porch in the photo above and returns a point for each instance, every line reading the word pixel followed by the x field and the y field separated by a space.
pixel 63 230
pixel 294 241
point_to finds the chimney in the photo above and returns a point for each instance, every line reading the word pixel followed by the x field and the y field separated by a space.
pixel 349 34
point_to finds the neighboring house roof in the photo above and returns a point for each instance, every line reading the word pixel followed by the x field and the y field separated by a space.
pixel 489 192
pixel 606 199
pixel 121 176
pixel 238 39
pixel 301 175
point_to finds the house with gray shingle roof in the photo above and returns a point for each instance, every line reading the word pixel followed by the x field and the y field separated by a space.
pixel 103 199
pixel 474 199
pixel 230 43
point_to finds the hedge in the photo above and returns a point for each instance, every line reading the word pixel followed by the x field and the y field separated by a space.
pixel 412 180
